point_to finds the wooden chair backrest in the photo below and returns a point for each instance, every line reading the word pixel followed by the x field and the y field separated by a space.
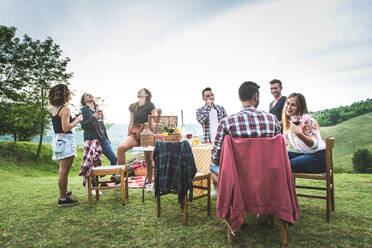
pixel 330 142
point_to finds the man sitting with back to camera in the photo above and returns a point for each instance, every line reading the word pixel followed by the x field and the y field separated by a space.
pixel 248 123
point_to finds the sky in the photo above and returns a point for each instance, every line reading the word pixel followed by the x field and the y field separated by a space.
pixel 320 48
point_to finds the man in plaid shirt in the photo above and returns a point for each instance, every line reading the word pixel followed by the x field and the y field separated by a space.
pixel 248 123
pixel 209 116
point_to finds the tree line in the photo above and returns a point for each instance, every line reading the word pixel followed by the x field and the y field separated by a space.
pixel 334 116
pixel 28 69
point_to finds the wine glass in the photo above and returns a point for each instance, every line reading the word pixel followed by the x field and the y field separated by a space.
pixel 189 135
pixel 296 119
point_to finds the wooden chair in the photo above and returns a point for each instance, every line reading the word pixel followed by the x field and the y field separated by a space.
pixel 247 163
pixel 327 177
pixel 198 177
pixel 96 172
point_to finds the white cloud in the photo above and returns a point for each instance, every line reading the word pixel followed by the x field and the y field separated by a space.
pixel 117 48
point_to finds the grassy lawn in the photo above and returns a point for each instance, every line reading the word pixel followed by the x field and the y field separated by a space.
pixel 29 217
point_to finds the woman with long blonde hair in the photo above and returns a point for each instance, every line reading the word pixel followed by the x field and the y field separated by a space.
pixel 302 131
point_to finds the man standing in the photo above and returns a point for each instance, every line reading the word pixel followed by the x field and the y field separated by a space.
pixel 276 106
pixel 209 116
pixel 248 123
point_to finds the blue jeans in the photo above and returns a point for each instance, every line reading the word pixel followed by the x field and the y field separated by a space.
pixel 215 169
pixel 308 163
pixel 108 151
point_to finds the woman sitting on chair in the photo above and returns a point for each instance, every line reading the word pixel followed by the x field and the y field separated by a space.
pixel 302 131
pixel 139 112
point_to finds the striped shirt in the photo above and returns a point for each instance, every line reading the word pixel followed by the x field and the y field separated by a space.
pixel 248 123
pixel 202 116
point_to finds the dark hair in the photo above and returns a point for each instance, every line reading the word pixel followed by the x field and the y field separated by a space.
pixel 83 103
pixel 301 108
pixel 206 89
pixel 58 95
pixel 148 98
pixel 149 95
pixel 276 81
pixel 247 90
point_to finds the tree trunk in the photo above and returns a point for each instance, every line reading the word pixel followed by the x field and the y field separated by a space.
pixel 40 141
pixel 42 125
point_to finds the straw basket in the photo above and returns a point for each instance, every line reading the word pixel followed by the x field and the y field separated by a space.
pixel 157 122
pixel 169 138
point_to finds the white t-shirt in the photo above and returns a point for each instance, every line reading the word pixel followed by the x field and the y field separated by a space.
pixel 213 123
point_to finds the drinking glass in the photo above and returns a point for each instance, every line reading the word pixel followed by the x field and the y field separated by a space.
pixel 296 119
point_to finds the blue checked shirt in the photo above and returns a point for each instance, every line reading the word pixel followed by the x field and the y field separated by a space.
pixel 202 116
pixel 248 123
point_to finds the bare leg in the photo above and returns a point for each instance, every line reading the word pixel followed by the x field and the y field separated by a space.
pixel 215 180
pixel 64 169
pixel 128 143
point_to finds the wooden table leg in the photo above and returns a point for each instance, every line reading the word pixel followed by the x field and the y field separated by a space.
pixel 90 190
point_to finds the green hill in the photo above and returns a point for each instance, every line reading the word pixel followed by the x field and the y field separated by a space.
pixel 350 136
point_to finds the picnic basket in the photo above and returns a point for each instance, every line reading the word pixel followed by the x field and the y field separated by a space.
pixel 156 124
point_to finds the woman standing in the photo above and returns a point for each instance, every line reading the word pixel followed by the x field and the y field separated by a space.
pixel 139 112
pixel 94 127
pixel 302 131
pixel 63 143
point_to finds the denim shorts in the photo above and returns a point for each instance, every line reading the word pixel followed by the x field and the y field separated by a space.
pixel 215 169
pixel 63 147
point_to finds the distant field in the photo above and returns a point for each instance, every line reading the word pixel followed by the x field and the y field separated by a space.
pixel 350 136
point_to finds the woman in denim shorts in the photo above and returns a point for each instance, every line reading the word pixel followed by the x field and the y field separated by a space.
pixel 63 143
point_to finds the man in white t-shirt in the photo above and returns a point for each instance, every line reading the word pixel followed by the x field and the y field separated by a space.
pixel 209 117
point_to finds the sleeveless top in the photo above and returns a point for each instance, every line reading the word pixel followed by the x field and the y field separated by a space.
pixel 57 122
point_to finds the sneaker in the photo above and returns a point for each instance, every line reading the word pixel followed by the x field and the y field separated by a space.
pixel 214 193
pixel 149 187
pixel 94 192
pixel 68 193
pixel 67 202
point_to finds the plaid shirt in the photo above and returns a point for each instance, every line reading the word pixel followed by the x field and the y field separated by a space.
pixel 175 168
pixel 92 157
pixel 248 123
pixel 202 116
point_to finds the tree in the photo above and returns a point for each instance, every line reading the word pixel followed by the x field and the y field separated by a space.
pixel 45 67
pixel 28 69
